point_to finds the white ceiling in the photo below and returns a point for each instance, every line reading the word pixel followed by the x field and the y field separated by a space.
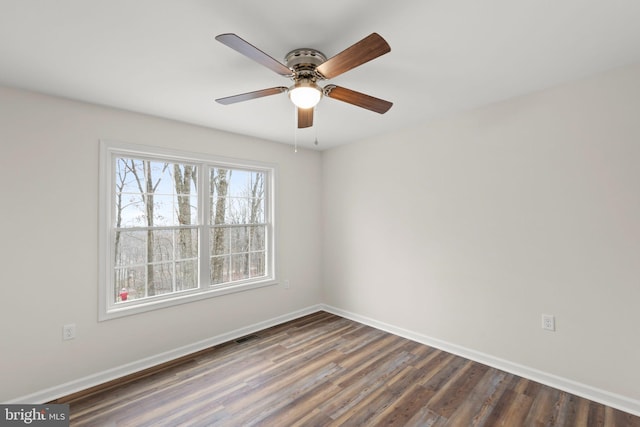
pixel 160 56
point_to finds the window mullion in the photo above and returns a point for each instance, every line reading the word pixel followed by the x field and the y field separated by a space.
pixel 174 261
pixel 204 193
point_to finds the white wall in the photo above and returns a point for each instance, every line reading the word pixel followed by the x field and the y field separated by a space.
pixel 467 229
pixel 48 249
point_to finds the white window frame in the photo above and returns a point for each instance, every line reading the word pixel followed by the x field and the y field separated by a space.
pixel 109 151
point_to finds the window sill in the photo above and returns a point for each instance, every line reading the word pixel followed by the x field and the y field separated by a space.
pixel 118 311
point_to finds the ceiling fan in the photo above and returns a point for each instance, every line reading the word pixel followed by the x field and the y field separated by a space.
pixel 306 67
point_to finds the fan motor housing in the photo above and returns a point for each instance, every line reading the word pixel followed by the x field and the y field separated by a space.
pixel 304 61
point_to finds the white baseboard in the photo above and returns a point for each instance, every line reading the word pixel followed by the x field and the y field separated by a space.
pixel 617 401
pixel 80 384
pixel 610 399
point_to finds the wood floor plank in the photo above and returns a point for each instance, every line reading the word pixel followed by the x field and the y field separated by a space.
pixel 596 414
pixel 513 412
pixel 425 417
pixel 453 394
pixel 481 401
pixel 324 370
pixel 291 413
pixel 365 389
pixel 541 411
pixel 408 405
pixel 617 418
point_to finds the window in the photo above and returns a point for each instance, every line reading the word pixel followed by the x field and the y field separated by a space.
pixel 178 227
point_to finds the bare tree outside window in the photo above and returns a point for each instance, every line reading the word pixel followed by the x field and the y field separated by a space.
pixel 179 227
pixel 184 177
pixel 220 238
pixel 155 249
pixel 238 225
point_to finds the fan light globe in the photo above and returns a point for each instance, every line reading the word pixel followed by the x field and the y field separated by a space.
pixel 305 94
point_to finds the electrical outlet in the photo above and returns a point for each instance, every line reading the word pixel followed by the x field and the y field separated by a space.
pixel 69 331
pixel 548 322
pixel 286 283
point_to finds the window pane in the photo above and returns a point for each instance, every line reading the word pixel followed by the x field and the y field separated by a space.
pixel 131 280
pixel 239 267
pixel 239 239
pixel 131 213
pixel 219 210
pixel 130 247
pixel 219 241
pixel 237 196
pixel 219 269
pixel 160 279
pixel 238 212
pixel 238 183
pixel 257 210
pixel 218 179
pixel 161 245
pixel 257 196
pixel 187 210
pixel 186 243
pixel 257 264
pixel 185 177
pixel 257 238
pixel 146 193
pixel 130 177
pixel 186 275
pixel 164 209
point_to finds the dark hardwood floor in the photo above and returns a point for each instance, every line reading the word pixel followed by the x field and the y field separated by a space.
pixel 324 370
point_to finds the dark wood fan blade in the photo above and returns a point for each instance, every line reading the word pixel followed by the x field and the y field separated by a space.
pixel 365 50
pixel 305 117
pixel 252 52
pixel 251 95
pixel 356 98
